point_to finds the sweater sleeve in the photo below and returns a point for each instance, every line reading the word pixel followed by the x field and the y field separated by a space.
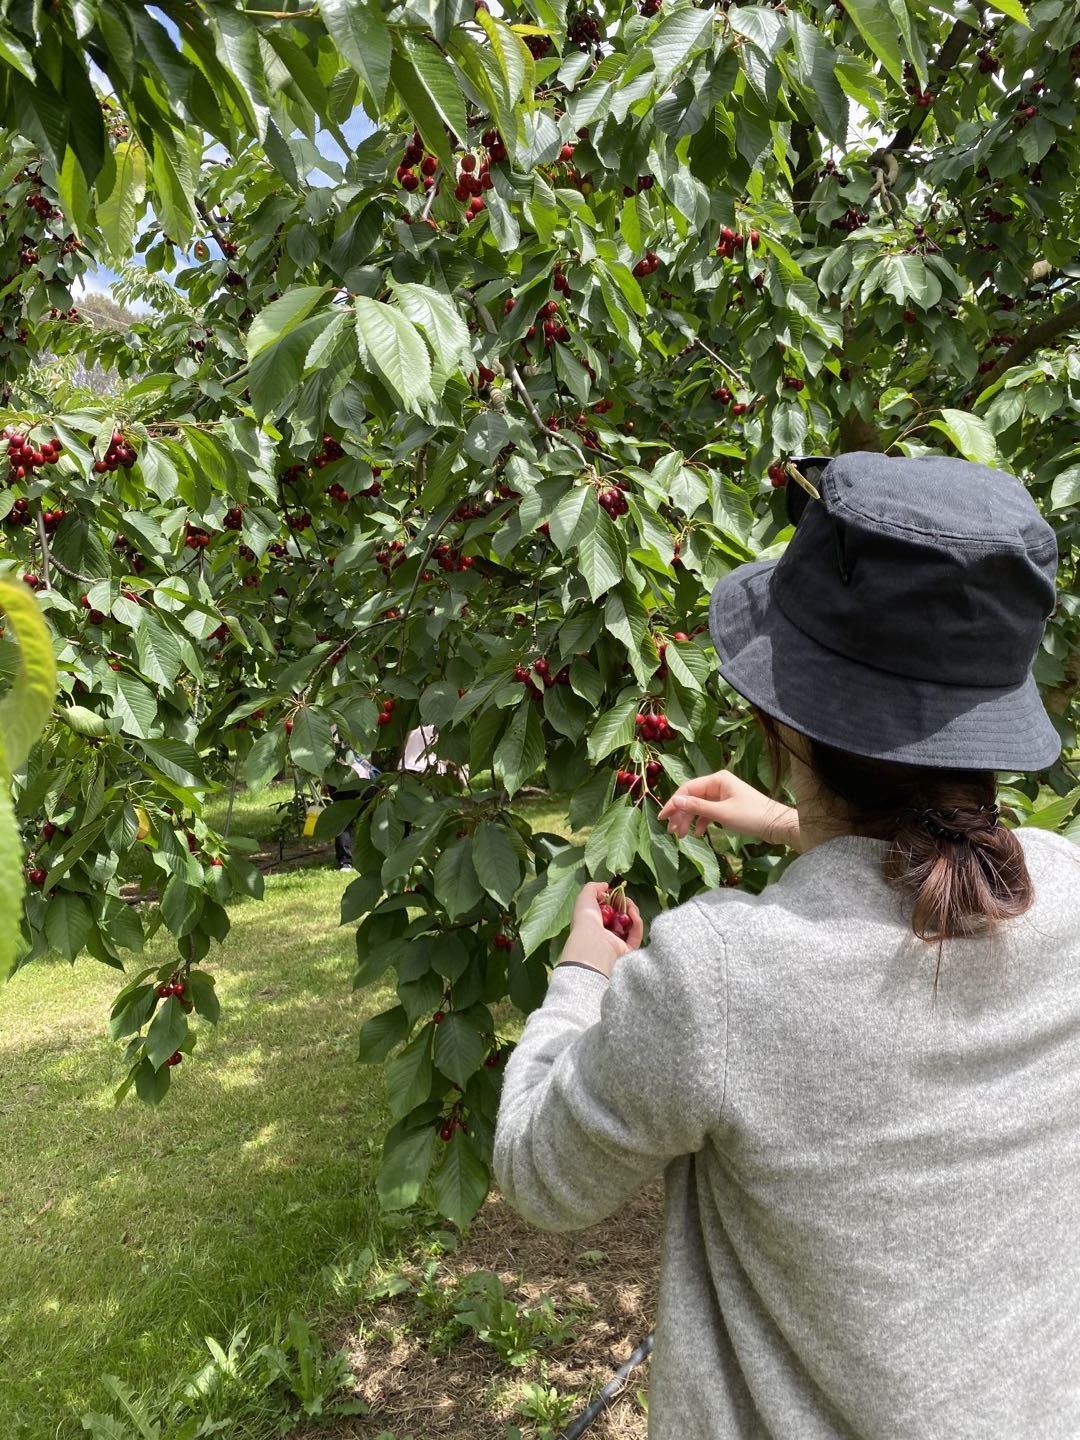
pixel 612 1079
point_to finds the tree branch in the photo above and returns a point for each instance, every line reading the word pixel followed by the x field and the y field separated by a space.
pixel 214 231
pixel 946 58
pixel 1034 339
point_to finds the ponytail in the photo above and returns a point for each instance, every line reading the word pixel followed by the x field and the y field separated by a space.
pixel 964 870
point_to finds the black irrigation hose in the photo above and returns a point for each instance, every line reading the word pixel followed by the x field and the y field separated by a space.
pixel 611 1390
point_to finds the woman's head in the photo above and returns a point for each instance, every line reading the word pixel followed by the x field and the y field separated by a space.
pixel 959 887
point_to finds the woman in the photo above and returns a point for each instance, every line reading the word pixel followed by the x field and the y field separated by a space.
pixel 862 1086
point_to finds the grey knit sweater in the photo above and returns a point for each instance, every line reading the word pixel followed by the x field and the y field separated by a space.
pixel 872 1199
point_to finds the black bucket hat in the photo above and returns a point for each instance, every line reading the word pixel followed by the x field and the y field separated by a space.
pixel 903 618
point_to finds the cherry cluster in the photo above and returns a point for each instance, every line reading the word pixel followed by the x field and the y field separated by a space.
pixel 989 64
pixel 375 488
pixel 36 875
pixel 613 500
pixel 583 30
pixel 449 557
pixel 234 520
pixel 95 617
pixel 653 727
pixel 299 520
pixel 793 382
pixel 538 45
pixel 331 451
pixel 472 183
pixel 447 1128
pixel 850 220
pixel 777 475
pixel 391 557
pixel 338 492
pixel 647 265
pixel 644 182
pixel 502 942
pixel 119 453
pixel 52 518
pixel 386 713
pixel 554 331
pixel 291 474
pixel 195 537
pixel 174 1059
pixel 560 279
pixel 542 667
pixel 174 987
pixel 615 918
pixel 732 240
pixel 649 8
pixel 414 154
pixel 25 456
pixel 278 550
pixel 19 514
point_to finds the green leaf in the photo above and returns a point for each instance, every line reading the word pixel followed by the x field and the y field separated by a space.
pixel 971 435
pixel 1065 491
pixel 407 1157
pixel 26 707
pixel 68 922
pixel 495 861
pixel 437 77
pixel 678 37
pixel 551 909
pixel 135 705
pixel 409 1075
pixel 614 730
pixel 437 316
pixel 358 29
pixel 277 319
pixel 117 211
pixel 265 758
pixel 176 761
pixel 520 752
pixel 461 1182
pixel 599 557
pixel 167 1032
pixel 455 881
pixel 612 845
pixel 573 517
pixel 459 1050
pixel 1012 8
pixel 274 376
pixel 14 53
pixel 395 349
pixel 381 1033
pixel 1053 815
pixel 815 61
pixel 877 27
pixel 181 906
pixel 310 744
pixel 151 1086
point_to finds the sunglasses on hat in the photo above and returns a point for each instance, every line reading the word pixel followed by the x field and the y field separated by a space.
pixel 803 471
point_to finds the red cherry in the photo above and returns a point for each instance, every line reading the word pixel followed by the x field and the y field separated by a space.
pixel 607 915
pixel 36 876
pixel 288 727
pixel 439 1016
pixel 446 1132
pixel 175 1058
pixel 217 862
pixel 566 152
pixel 680 636
pixel 48 830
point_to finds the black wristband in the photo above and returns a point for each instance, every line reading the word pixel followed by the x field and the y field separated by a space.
pixel 582 966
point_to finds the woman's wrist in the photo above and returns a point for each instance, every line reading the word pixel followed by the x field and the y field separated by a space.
pixel 785 829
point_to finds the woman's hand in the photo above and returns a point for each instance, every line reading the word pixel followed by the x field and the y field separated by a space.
pixel 724 799
pixel 589 943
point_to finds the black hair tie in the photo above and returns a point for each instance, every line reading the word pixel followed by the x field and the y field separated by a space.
pixel 931 819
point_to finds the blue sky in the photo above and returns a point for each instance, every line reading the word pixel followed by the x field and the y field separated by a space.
pixel 355 128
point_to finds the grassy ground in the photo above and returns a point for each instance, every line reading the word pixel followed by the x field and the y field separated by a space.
pixel 128 1235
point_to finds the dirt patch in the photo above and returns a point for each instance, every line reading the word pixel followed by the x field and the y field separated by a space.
pixel 607 1275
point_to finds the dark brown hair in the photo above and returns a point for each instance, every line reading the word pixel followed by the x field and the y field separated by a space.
pixel 962 886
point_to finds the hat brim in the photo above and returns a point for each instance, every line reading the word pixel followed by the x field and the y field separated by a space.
pixel 866 711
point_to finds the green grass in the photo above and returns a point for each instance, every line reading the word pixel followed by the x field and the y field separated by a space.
pixel 129 1234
